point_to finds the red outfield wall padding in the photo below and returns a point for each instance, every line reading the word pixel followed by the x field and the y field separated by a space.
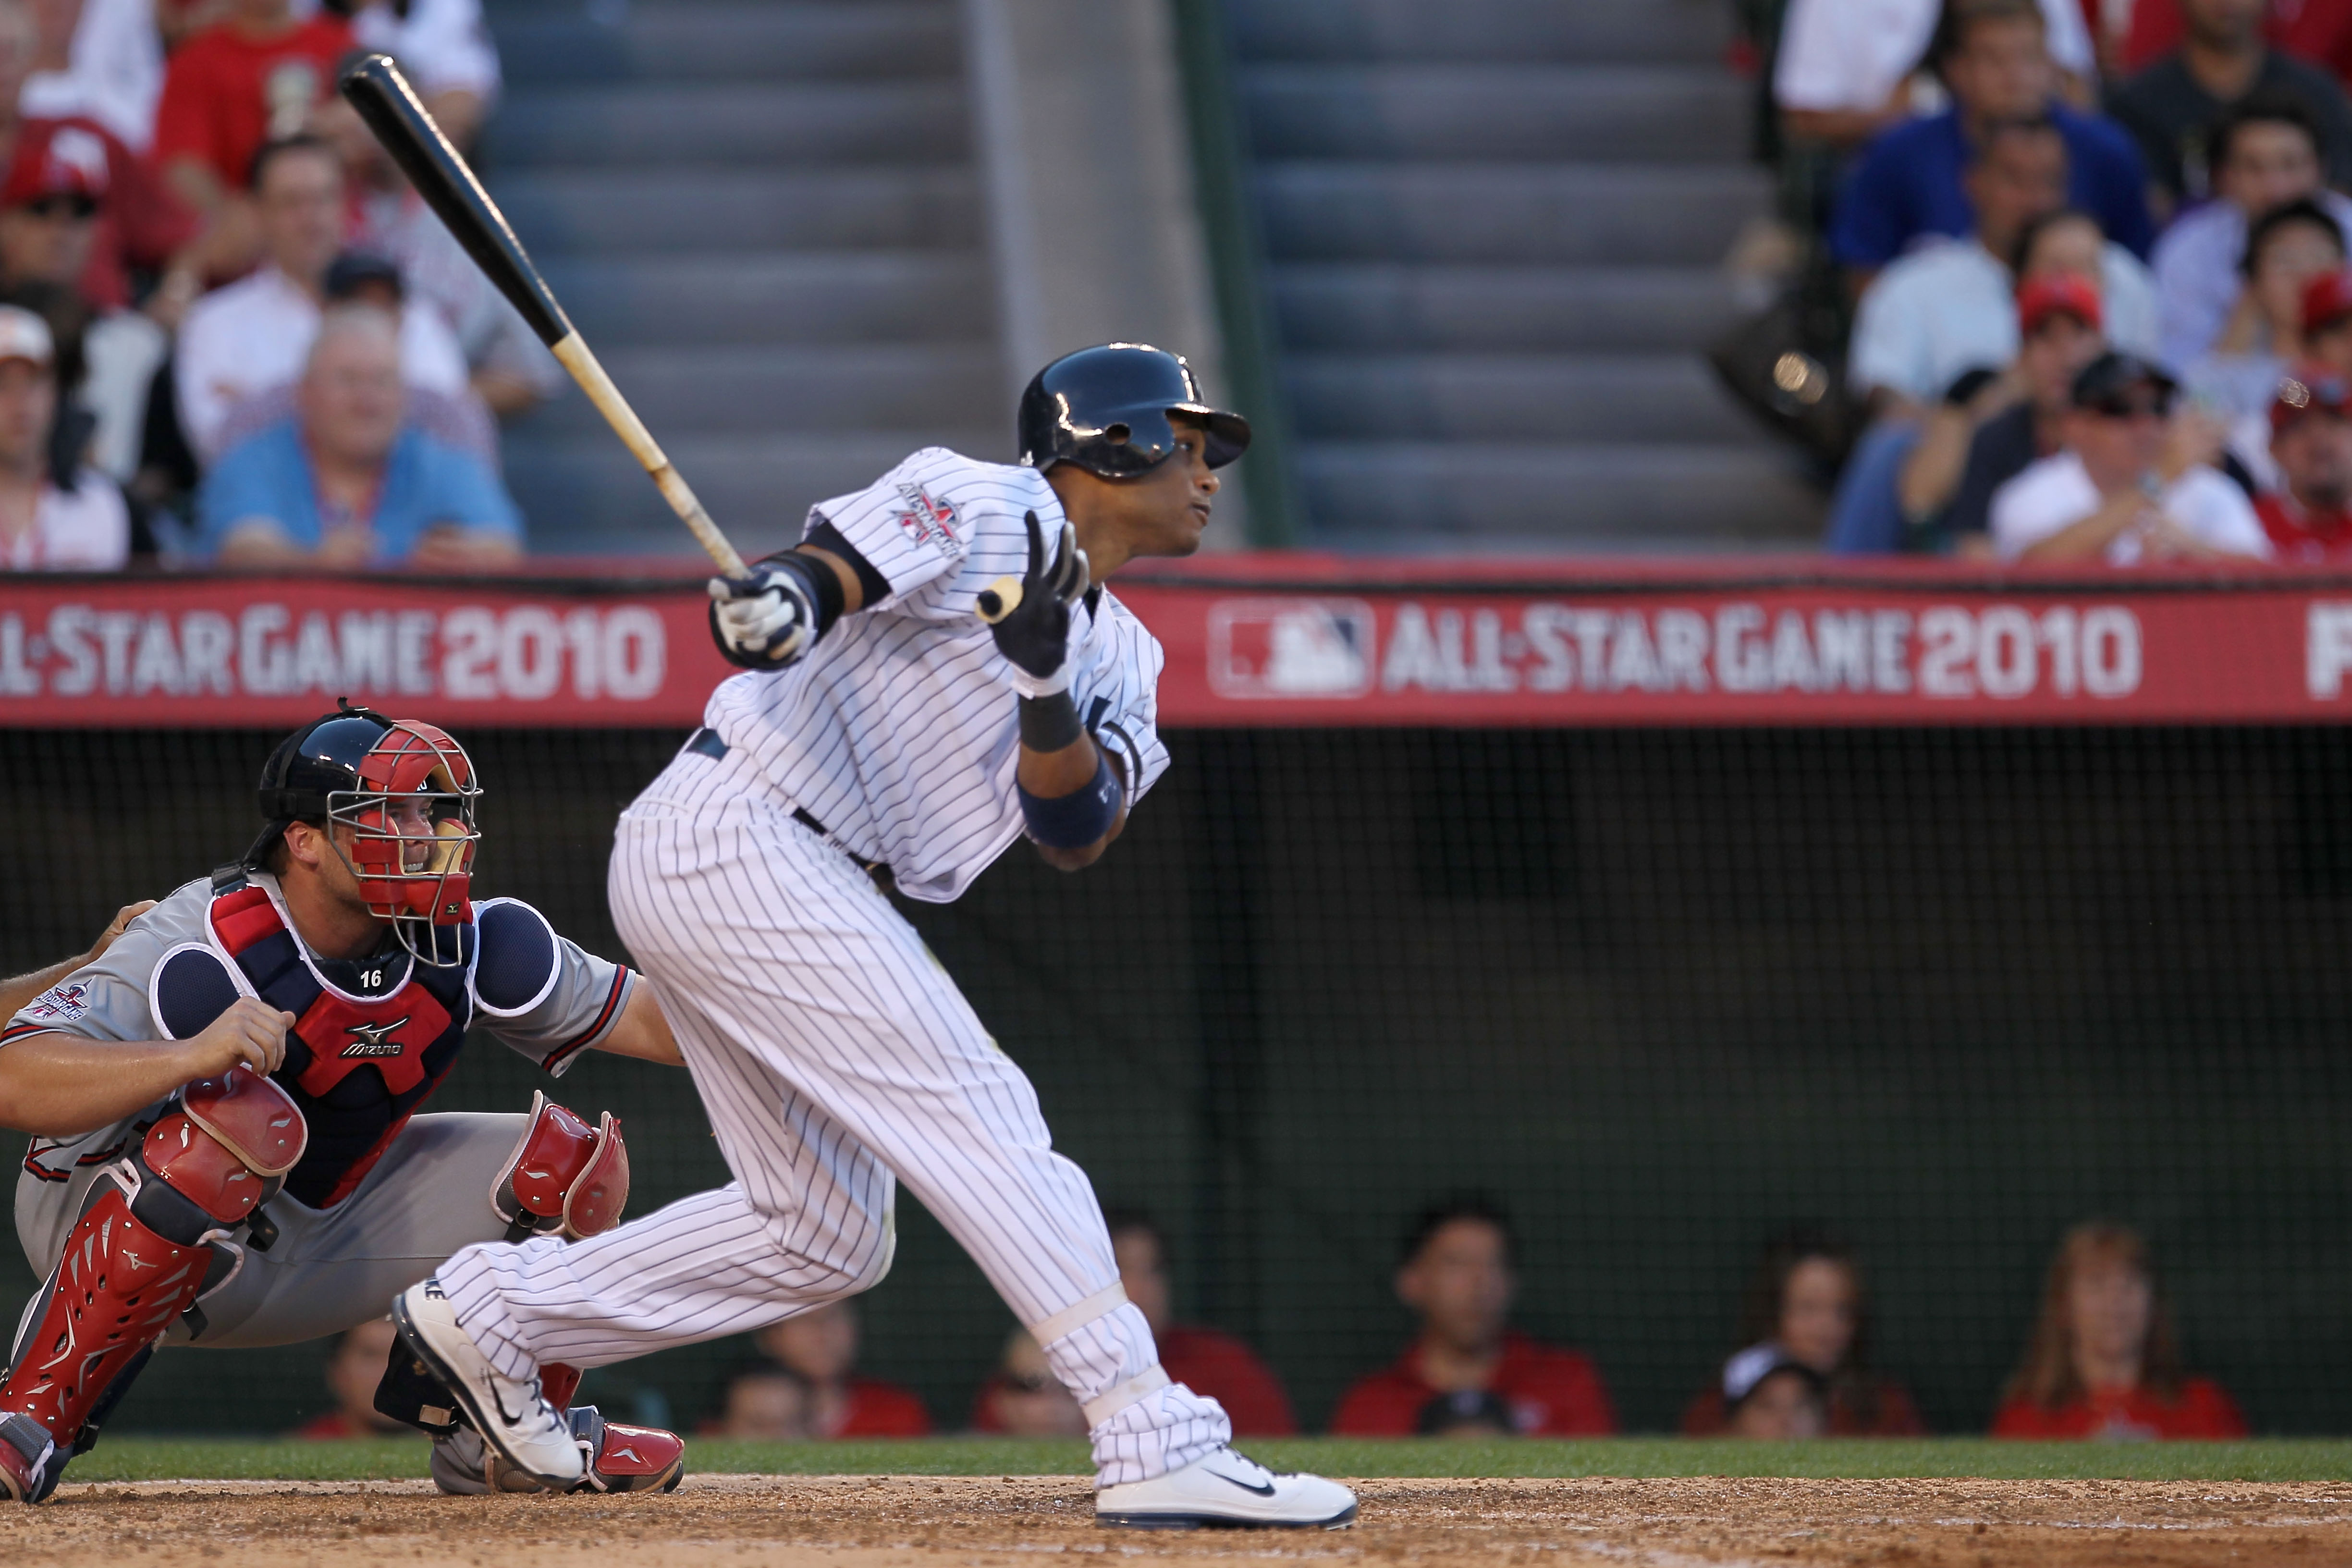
pixel 1252 640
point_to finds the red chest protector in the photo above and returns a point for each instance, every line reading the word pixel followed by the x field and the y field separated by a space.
pixel 359 1066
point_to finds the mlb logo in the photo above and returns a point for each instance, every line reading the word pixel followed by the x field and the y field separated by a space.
pixel 1291 648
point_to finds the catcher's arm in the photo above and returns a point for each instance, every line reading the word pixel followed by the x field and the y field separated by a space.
pixel 642 1032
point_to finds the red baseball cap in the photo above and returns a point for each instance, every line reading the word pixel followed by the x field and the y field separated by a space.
pixel 56 158
pixel 2327 300
pixel 2309 388
pixel 2059 293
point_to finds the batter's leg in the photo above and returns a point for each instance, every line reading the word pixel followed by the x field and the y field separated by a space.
pixel 823 1036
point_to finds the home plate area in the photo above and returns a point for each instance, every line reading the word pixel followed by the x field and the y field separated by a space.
pixel 870 1522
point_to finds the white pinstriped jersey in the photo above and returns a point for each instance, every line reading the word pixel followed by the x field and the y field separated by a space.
pixel 900 731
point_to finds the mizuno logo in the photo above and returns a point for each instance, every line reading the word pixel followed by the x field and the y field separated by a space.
pixel 372 1040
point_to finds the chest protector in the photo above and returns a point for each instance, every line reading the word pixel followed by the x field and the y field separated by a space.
pixel 357 1065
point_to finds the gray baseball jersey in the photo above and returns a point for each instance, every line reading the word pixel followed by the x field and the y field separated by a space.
pixel 373 1038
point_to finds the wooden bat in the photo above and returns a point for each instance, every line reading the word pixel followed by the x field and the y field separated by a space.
pixel 401 122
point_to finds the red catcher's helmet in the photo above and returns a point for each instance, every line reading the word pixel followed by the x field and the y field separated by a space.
pixel 406 791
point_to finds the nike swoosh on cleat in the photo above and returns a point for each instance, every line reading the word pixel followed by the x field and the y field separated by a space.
pixel 1266 1490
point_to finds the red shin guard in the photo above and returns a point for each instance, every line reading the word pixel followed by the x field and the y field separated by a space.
pixel 117 1288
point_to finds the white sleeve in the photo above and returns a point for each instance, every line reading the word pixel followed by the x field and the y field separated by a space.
pixel 2216 510
pixel 2129 304
pixel 196 371
pixel 429 355
pixel 443 44
pixel 909 526
pixel 1818 61
pixel 2027 510
pixel 2069 40
pixel 1117 689
pixel 1886 350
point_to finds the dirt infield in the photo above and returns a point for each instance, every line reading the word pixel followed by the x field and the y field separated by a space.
pixel 935 1522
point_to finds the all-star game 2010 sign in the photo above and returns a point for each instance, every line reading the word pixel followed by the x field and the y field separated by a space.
pixel 1250 641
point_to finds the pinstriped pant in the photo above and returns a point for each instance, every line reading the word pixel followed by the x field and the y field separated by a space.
pixel 832 1054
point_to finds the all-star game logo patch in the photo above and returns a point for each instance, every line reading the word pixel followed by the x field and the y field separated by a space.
pixel 929 520
pixel 61 1004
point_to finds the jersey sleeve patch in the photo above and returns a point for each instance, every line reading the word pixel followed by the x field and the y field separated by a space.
pixel 191 986
pixel 517 965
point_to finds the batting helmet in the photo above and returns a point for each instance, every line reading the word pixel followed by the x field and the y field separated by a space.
pixel 405 791
pixel 1106 409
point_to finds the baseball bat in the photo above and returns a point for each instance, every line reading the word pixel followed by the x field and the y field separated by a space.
pixel 441 175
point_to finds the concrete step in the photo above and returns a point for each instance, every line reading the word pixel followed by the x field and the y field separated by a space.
pixel 705 209
pixel 803 123
pixel 1372 306
pixel 560 42
pixel 1543 399
pixel 1621 495
pixel 1563 213
pixel 1621 112
pixel 765 389
pixel 587 495
pixel 779 297
pixel 1626 30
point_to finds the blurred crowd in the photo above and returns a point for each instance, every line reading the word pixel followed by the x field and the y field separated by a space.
pixel 230 333
pixel 2102 1360
pixel 2061 280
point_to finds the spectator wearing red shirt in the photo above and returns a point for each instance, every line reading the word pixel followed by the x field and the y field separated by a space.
pixel 1204 1360
pixel 820 1348
pixel 2309 516
pixel 2104 1362
pixel 1457 1278
pixel 251 79
pixel 142 226
pixel 1806 1302
pixel 353 1370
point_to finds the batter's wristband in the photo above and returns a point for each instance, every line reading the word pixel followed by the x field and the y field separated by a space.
pixel 1076 820
pixel 1050 723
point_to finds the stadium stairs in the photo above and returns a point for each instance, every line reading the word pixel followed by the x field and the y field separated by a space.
pixel 765 218
pixel 1494 232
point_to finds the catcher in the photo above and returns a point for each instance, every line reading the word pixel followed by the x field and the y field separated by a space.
pixel 226 1150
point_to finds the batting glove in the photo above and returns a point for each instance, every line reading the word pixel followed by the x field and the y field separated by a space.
pixel 1029 615
pixel 763 619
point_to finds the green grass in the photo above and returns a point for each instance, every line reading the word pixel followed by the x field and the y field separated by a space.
pixel 2276 1460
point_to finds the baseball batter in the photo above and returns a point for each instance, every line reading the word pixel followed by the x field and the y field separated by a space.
pixel 932 675
pixel 224 1151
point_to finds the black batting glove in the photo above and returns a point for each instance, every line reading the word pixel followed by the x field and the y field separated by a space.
pixel 765 619
pixel 1029 615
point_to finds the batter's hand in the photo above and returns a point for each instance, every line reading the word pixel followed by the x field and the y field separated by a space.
pixel 763 619
pixel 251 1032
pixel 1030 615
pixel 121 924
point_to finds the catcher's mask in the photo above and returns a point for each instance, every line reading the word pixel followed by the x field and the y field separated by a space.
pixel 396 797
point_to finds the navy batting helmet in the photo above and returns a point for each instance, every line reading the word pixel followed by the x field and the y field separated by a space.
pixel 1106 409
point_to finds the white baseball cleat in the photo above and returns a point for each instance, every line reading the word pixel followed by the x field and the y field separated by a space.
pixel 1230 1491
pixel 513 1418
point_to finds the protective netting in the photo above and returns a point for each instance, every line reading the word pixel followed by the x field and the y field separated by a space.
pixel 1664 991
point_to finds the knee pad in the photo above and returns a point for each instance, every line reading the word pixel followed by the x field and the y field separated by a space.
pixel 563 1175
pixel 226 1146
pixel 148 1243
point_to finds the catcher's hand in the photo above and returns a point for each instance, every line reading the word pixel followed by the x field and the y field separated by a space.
pixel 1029 615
